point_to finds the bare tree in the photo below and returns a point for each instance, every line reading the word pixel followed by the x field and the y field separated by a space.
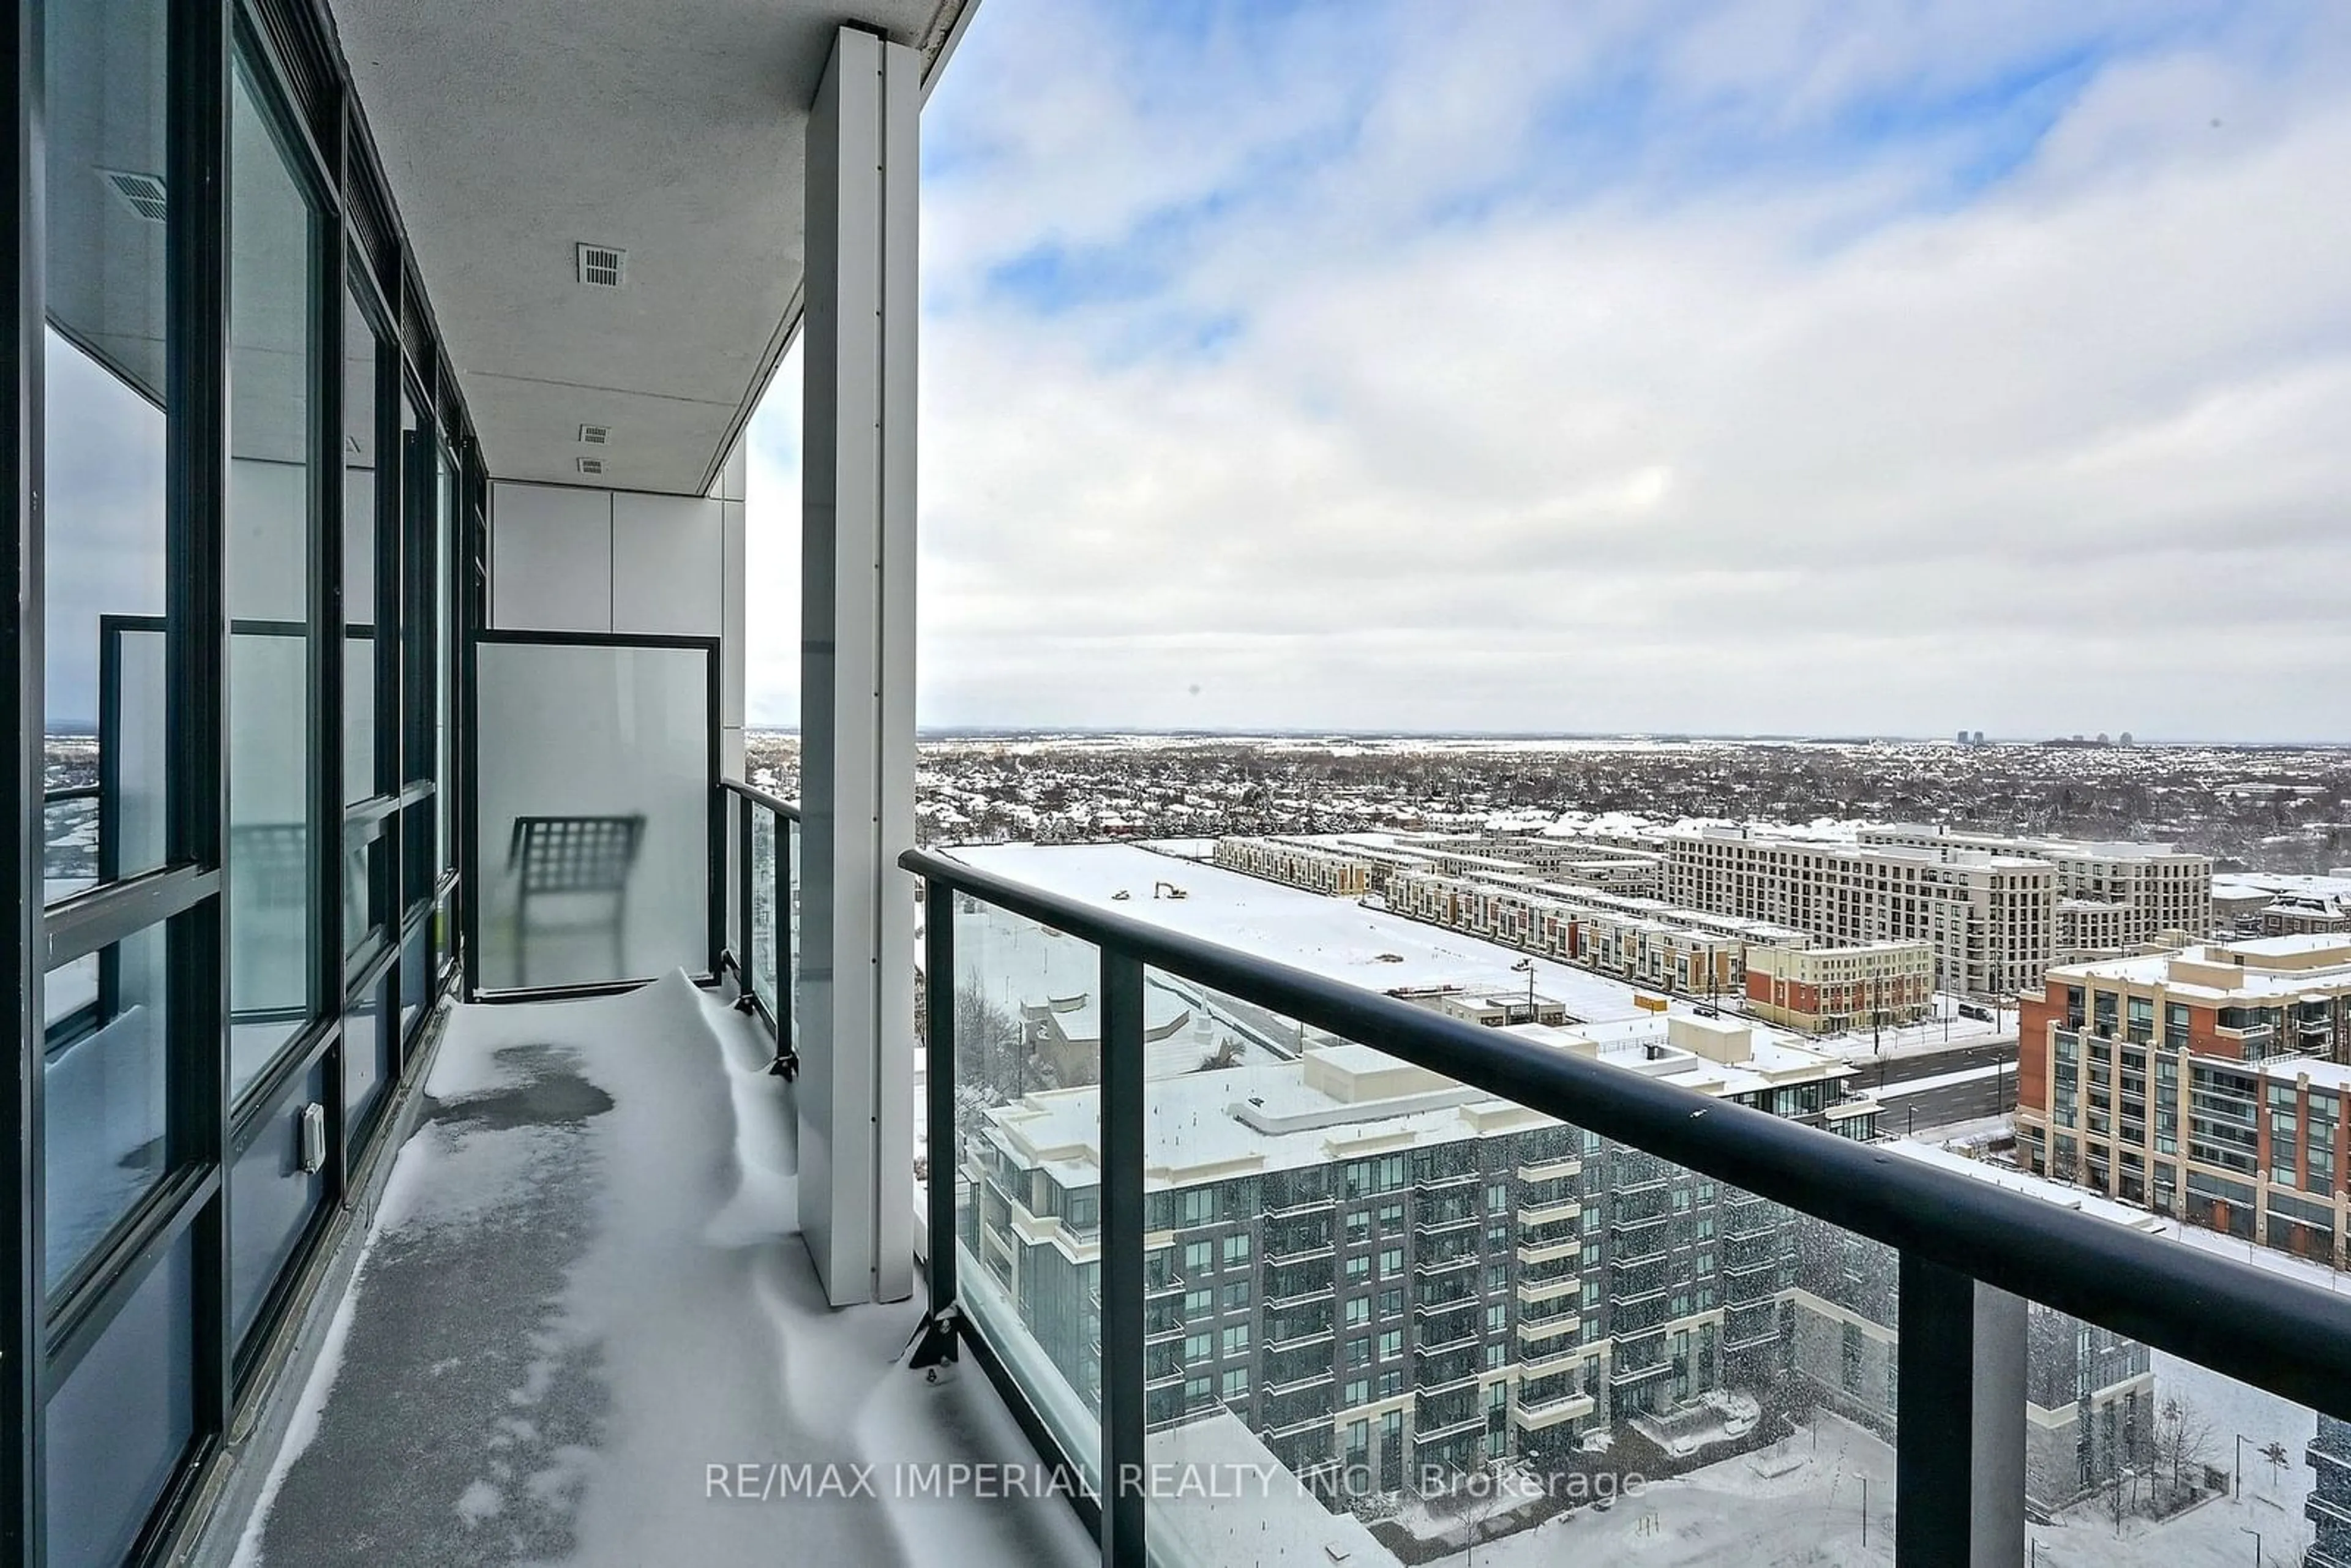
pixel 992 1061
pixel 2183 1442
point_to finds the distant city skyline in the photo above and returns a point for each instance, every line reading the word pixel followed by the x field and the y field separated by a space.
pixel 1597 737
pixel 1725 370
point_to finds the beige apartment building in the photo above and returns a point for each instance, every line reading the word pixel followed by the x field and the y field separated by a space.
pixel 2159 887
pixel 1990 918
pixel 2088 930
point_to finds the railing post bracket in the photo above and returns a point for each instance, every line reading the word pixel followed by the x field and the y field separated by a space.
pixel 933 1342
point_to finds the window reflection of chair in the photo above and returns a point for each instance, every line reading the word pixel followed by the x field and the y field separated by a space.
pixel 565 856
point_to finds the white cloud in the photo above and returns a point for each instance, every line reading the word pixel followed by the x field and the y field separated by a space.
pixel 1622 381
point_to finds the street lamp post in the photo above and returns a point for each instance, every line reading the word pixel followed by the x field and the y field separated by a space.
pixel 2239 1489
pixel 2256 1534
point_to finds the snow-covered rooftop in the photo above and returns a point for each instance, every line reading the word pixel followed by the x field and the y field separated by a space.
pixel 1332 937
pixel 2259 970
pixel 1342 1100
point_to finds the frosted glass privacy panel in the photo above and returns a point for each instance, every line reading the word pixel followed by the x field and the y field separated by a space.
pixel 596 794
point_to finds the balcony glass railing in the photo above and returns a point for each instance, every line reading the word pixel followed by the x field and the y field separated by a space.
pixel 763 922
pixel 1023 1026
pixel 1896 1274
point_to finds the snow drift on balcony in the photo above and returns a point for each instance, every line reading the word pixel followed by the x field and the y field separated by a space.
pixel 582 1291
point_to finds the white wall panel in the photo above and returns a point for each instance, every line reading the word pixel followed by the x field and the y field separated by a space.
pixel 550 558
pixel 669 569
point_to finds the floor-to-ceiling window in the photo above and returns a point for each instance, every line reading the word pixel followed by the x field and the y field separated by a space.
pixel 104 691
pixel 275 262
pixel 104 394
pixel 372 490
pixel 118 1411
pixel 246 649
pixel 420 700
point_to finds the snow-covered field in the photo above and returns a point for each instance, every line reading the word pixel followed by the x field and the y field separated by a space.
pixel 1801 1501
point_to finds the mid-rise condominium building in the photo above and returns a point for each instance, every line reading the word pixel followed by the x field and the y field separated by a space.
pixel 1384 1273
pixel 1990 917
pixel 1372 1265
pixel 2088 930
pixel 2207 1083
pixel 2156 888
pixel 2328 1506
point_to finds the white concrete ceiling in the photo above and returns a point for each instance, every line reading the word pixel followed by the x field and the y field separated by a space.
pixel 672 129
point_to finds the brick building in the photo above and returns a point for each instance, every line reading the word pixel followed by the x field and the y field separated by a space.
pixel 1823 990
pixel 2207 1083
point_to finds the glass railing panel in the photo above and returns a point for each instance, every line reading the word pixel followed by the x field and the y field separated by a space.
pixel 762 956
pixel 1294 1295
pixel 1491 1379
pixel 2138 1456
pixel 790 980
pixel 1025 1161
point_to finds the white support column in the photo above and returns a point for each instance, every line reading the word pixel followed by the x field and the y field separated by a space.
pixel 857 674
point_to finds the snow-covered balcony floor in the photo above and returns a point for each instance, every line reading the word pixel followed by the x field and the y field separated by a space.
pixel 584 1300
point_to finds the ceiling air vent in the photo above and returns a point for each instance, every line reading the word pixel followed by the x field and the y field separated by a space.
pixel 592 465
pixel 602 266
pixel 595 434
pixel 142 194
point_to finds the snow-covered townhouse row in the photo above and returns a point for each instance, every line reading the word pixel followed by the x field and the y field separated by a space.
pixel 1630 873
pixel 2207 1083
pixel 1556 923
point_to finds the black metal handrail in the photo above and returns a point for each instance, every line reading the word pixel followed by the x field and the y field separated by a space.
pixel 752 792
pixel 2263 1328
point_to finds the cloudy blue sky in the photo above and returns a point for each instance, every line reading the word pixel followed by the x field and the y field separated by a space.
pixel 1611 366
